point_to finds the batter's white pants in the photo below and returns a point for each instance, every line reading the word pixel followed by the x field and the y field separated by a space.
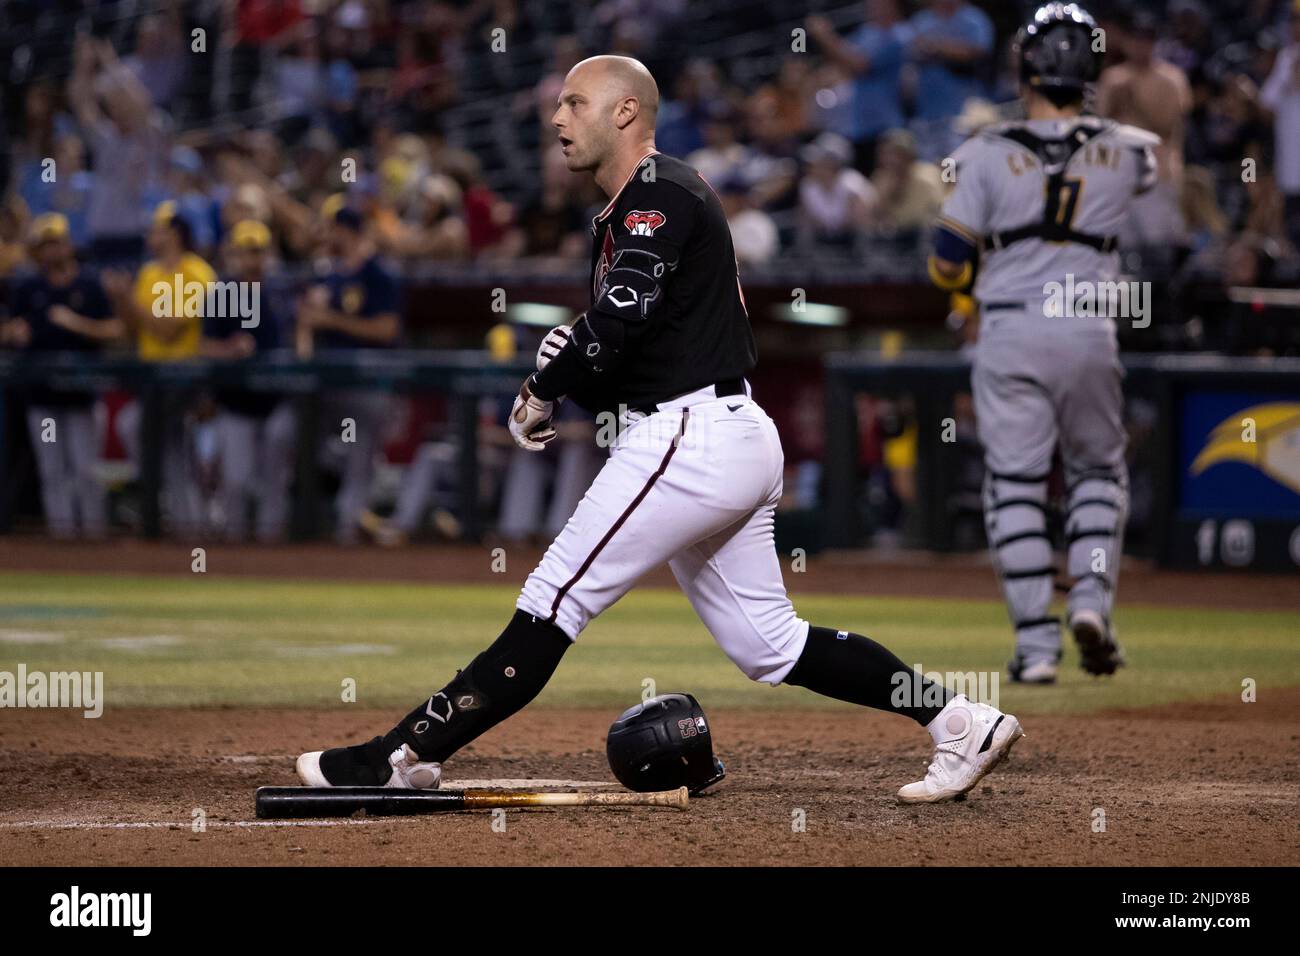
pixel 694 484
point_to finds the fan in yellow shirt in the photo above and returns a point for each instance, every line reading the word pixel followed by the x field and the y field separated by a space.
pixel 162 306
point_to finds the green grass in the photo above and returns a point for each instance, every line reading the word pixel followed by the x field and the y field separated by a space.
pixel 207 641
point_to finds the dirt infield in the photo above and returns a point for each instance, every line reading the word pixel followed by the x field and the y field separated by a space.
pixel 855 572
pixel 1192 784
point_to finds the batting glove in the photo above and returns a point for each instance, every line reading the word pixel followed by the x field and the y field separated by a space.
pixel 555 340
pixel 530 419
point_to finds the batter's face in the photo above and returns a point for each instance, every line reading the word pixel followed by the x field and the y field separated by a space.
pixel 584 119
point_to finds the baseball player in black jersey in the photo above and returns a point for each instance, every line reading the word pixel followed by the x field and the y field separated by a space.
pixel 693 477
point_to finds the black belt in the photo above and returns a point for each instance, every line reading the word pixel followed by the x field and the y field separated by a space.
pixel 728 386
pixel 1002 306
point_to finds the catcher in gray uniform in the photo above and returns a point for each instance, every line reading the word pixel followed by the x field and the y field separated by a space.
pixel 1036 205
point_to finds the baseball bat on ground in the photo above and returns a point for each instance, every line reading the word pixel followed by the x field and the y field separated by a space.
pixel 302 802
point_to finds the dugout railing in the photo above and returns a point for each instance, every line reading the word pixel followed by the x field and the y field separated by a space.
pixel 464 376
pixel 1235 531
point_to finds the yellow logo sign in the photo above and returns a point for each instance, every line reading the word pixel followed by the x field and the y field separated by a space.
pixel 1266 437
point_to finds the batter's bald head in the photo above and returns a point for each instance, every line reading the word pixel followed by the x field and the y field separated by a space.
pixel 621 77
pixel 605 117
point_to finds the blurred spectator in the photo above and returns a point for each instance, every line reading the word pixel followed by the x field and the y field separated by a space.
pixel 771 168
pixel 950 42
pixel 300 80
pixel 354 307
pixel 910 191
pixel 873 55
pixel 260 26
pixel 70 191
pixel 554 222
pixel 433 228
pixel 62 309
pixel 1281 96
pixel 187 185
pixel 426 481
pixel 1151 94
pixel 425 80
pixel 1225 123
pixel 753 233
pixel 488 217
pixel 837 204
pixel 787 101
pixel 127 142
pixel 254 430
pixel 566 51
pixel 566 468
pixel 1206 224
pixel 160 56
pixel 830 103
pixel 163 310
pixel 1190 41
pixel 722 154
pixel 1266 217
pixel 13 222
pixel 165 329
pixel 680 127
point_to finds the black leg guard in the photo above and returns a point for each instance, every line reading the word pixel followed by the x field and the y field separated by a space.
pixel 856 669
pixel 497 683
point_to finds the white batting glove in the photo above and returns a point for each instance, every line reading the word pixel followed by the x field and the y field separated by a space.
pixel 530 419
pixel 555 340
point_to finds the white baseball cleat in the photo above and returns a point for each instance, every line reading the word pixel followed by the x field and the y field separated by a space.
pixel 970 740
pixel 1040 672
pixel 358 767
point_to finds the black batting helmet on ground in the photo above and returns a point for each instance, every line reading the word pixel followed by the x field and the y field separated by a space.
pixel 662 744
pixel 1057 49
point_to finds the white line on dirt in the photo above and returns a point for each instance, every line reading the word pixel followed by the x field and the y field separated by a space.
pixel 172 824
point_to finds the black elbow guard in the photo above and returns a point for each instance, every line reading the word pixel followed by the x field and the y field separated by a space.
pixel 595 346
pixel 598 340
pixel 634 287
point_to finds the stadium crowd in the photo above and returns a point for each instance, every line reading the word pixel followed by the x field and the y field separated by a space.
pixel 329 149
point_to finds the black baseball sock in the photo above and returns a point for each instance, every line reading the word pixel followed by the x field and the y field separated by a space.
pixel 856 669
pixel 497 683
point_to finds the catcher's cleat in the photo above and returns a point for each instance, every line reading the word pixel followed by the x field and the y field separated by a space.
pixel 377 763
pixel 1099 652
pixel 1039 672
pixel 970 740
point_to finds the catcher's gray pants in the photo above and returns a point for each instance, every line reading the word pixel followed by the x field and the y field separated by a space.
pixel 73 500
pixel 368 411
pixel 256 462
pixel 1039 383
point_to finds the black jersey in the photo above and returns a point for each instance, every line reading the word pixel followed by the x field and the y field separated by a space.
pixel 662 262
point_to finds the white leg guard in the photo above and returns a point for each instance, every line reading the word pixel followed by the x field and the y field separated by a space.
pixel 1015 516
pixel 1095 531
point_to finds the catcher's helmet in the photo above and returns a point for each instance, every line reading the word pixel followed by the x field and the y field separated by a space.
pixel 1055 48
pixel 662 744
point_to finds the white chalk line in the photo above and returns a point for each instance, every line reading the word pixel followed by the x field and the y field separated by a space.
pixel 175 824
